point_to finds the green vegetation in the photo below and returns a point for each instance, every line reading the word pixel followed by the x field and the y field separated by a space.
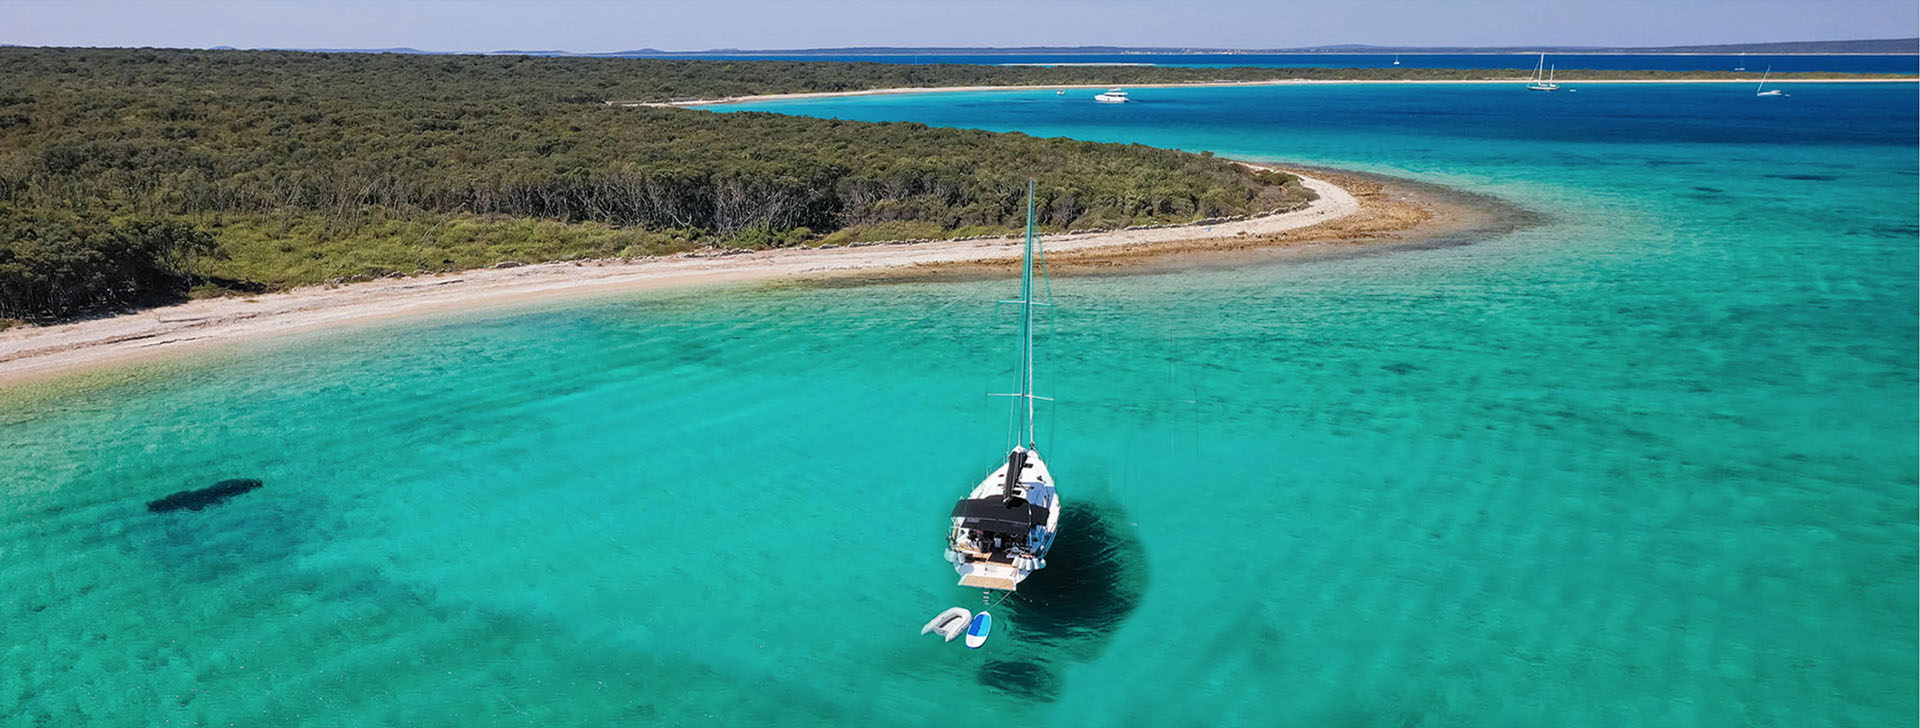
pixel 134 175
pixel 55 264
pixel 130 176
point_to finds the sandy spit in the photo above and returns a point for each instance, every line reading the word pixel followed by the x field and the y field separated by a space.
pixel 1357 211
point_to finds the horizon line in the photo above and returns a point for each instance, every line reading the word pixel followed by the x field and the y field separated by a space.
pixel 1069 49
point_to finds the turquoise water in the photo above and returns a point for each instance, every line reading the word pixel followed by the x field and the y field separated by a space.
pixel 1650 462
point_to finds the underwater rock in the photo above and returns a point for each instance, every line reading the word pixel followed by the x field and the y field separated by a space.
pixel 1024 679
pixel 194 500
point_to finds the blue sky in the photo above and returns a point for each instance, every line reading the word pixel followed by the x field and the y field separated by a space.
pixel 589 25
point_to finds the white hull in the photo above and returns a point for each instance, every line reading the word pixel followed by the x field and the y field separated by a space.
pixel 990 556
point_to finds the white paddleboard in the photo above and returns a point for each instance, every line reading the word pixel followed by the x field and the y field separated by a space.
pixel 978 630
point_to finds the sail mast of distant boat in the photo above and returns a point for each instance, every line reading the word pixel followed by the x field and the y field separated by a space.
pixel 1541 81
pixel 1761 90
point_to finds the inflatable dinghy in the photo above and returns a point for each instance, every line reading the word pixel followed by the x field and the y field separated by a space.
pixel 978 629
pixel 949 624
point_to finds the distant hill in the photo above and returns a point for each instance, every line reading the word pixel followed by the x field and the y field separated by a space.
pixel 1884 45
pixel 1891 46
pixel 409 51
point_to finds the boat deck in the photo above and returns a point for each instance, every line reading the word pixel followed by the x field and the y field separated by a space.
pixel 1003 556
pixel 988 582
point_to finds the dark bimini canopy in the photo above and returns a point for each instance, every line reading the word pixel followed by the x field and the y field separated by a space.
pixel 992 514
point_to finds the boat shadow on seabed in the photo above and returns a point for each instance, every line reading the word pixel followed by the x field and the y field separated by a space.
pixel 1094 576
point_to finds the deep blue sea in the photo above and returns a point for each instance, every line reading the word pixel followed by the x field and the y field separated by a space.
pixel 1510 61
pixel 1650 461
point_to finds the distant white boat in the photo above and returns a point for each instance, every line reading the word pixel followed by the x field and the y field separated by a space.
pixel 1113 96
pixel 1396 60
pixel 1762 89
pixel 1542 77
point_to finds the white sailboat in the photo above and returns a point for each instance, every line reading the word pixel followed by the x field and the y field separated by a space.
pixel 1542 77
pixel 1003 528
pixel 1396 59
pixel 1762 89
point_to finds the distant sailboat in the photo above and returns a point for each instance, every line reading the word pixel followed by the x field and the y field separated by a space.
pixel 1396 60
pixel 1542 77
pixel 1004 527
pixel 1762 89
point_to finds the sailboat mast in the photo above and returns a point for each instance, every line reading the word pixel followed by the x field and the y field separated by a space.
pixel 1026 324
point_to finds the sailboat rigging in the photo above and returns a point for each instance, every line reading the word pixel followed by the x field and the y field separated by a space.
pixel 1003 529
pixel 1761 90
pixel 1542 78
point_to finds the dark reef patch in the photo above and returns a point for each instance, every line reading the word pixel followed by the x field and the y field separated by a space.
pixel 1806 177
pixel 1894 231
pixel 193 500
pixel 1021 679
pixel 258 537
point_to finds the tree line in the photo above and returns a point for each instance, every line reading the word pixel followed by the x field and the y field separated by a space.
pixel 128 176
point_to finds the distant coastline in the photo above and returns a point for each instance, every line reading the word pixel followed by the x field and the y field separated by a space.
pixel 1377 211
pixel 1856 47
pixel 1211 84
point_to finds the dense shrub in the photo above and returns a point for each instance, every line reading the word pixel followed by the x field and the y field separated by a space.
pixel 53 264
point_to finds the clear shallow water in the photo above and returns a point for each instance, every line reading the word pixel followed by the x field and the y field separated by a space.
pixel 1650 463
pixel 1513 61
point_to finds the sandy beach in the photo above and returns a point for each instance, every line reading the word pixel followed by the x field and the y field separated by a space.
pixel 1216 84
pixel 1352 210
